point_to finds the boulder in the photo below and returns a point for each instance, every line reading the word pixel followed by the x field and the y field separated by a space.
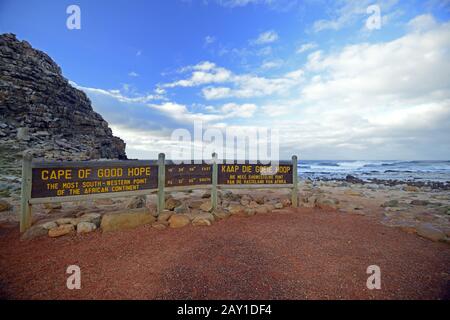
pixel 179 220
pixel 390 203
pixel 137 202
pixel 86 227
pixel 420 202
pixel 94 218
pixel 286 202
pixel 104 202
pixel 430 232
pixel 165 215
pixel 183 208
pixel 206 206
pixel 278 205
pixel 61 230
pixel 220 214
pixel 206 195
pixel 262 210
pixel 237 210
pixel 35 232
pixel 411 189
pixel 195 204
pixel 126 219
pixel 172 203
pixel 52 206
pixel 4 205
pixel 203 219
pixel 160 225
pixel 327 203
pixel 49 225
pixel 63 221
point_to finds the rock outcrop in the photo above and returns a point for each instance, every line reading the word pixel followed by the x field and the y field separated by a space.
pixel 40 112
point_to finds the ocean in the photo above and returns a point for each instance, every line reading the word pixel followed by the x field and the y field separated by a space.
pixel 424 171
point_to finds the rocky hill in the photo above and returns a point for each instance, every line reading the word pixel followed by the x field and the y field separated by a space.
pixel 40 112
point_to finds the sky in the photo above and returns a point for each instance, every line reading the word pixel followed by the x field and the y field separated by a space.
pixel 329 78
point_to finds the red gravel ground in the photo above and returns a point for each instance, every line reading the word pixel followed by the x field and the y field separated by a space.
pixel 294 255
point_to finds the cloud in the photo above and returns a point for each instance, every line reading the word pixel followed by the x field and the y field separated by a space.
pixel 265 38
pixel 133 74
pixel 209 40
pixel 208 74
pixel 306 47
pixel 372 100
pixel 348 12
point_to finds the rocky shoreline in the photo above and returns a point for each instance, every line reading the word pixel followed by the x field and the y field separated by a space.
pixel 429 185
pixel 422 211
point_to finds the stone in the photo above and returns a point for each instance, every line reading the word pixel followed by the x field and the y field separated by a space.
pixel 260 199
pixel 52 206
pixel 126 219
pixel 420 202
pixel 206 195
pixel 94 218
pixel 195 204
pixel 183 208
pixel 411 189
pixel 262 210
pixel 206 206
pixel 160 225
pixel 201 221
pixel 430 232
pixel 237 210
pixel 286 202
pixel 137 202
pixel 390 203
pixel 179 220
pixel 327 203
pixel 85 227
pixel 35 232
pixel 278 205
pixel 250 211
pixel 4 205
pixel 61 230
pixel 63 221
pixel 221 214
pixel 172 203
pixel 165 215
pixel 49 225
pixel 104 202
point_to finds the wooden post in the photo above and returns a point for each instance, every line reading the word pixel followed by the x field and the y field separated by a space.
pixel 295 182
pixel 214 182
pixel 25 206
pixel 161 182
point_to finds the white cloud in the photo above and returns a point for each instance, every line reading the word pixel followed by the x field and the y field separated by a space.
pixel 133 74
pixel 238 85
pixel 306 47
pixel 209 40
pixel 265 38
pixel 348 12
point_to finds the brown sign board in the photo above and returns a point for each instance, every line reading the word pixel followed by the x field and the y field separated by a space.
pixel 89 178
pixel 178 175
pixel 246 174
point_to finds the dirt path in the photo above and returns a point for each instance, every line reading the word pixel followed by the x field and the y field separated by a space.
pixel 296 255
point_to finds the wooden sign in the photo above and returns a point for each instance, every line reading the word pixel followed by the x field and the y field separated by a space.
pixel 90 178
pixel 254 174
pixel 188 175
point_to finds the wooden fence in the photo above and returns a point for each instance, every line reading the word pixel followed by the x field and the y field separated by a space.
pixel 64 181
